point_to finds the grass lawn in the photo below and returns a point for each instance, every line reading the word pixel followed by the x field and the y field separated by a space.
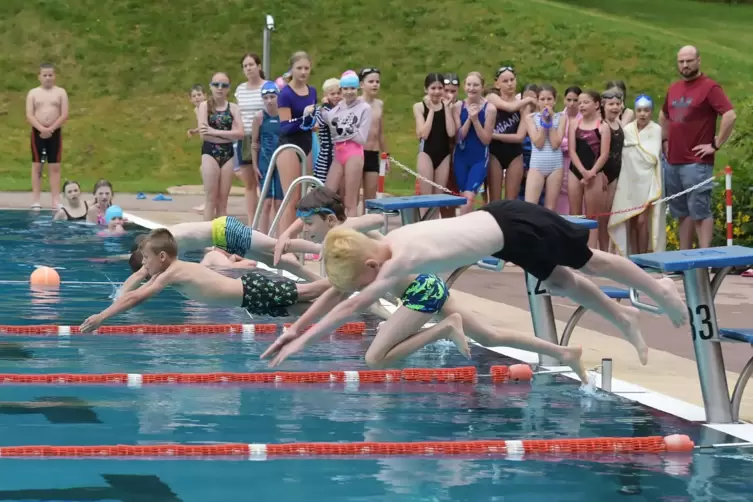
pixel 128 64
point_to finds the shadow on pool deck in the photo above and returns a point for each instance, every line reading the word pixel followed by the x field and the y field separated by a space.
pixel 501 298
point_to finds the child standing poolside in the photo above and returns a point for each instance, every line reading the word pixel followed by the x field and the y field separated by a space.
pixel 326 155
pixel 197 97
pixel 265 136
pixel 546 130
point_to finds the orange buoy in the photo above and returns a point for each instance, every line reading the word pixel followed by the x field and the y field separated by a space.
pixel 676 443
pixel 45 277
pixel 521 373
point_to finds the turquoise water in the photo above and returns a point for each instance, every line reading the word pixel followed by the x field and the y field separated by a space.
pixel 551 407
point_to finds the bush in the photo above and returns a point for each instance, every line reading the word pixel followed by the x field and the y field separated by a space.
pixel 739 155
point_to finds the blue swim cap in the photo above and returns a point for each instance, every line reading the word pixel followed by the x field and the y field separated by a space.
pixel 644 101
pixel 113 212
pixel 269 87
pixel 349 81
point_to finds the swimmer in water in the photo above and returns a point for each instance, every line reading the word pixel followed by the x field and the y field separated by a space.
pixel 114 220
pixel 73 209
pixel 259 292
pixel 519 232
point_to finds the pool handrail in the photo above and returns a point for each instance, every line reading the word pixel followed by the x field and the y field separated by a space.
pixel 268 179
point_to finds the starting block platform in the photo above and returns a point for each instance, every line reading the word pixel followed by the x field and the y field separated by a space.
pixel 410 206
pixel 700 290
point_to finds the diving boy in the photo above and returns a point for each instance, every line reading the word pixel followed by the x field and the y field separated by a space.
pixel 536 239
pixel 229 234
pixel 318 212
pixel 259 292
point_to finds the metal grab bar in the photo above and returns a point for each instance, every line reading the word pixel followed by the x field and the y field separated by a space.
pixel 310 180
pixel 268 180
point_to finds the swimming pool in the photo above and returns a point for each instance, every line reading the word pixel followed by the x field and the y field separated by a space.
pixel 550 407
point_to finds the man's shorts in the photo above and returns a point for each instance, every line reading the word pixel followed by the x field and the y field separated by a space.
pixel 696 204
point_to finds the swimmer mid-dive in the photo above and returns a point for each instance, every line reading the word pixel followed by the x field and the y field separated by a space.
pixel 217 258
pixel 229 234
pixel 318 212
pixel 260 293
pixel 536 239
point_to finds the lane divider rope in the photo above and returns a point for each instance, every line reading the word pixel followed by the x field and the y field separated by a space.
pixel 466 374
pixel 560 447
pixel 353 328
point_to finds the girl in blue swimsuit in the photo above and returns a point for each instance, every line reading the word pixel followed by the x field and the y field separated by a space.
pixel 474 119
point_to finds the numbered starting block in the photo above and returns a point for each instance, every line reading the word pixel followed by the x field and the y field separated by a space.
pixel 694 265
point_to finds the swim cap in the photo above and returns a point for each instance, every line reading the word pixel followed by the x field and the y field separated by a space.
pixel 113 212
pixel 269 88
pixel 280 82
pixel 349 80
pixel 644 101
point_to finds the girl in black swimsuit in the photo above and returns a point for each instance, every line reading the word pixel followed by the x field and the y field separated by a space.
pixel 505 159
pixel 73 210
pixel 434 128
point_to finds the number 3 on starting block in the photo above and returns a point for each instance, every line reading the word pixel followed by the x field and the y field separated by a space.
pixel 535 286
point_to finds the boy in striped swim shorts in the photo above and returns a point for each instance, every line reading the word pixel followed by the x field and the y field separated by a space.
pixel 229 234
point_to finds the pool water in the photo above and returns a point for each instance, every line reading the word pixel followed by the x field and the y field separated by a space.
pixel 550 407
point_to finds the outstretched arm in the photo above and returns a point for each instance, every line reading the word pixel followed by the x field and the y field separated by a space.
pixel 127 301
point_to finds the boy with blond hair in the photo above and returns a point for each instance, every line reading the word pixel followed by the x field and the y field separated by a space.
pixel 536 239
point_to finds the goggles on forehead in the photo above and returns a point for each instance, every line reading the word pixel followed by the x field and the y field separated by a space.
pixel 451 81
pixel 368 71
pixel 503 69
pixel 612 95
pixel 307 213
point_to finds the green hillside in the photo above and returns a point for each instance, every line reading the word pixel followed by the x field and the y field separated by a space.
pixel 128 64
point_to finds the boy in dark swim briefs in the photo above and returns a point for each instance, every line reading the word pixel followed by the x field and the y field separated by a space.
pixel 259 292
pixel 536 239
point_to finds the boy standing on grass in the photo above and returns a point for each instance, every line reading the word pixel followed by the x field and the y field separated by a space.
pixel 46 112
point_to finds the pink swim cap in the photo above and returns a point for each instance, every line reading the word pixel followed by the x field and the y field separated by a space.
pixel 349 72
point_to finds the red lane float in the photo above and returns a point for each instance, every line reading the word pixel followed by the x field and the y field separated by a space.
pixel 352 328
pixel 560 447
pixel 430 375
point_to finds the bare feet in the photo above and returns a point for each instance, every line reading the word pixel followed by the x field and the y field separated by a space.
pixel 572 357
pixel 199 209
pixel 456 335
pixel 632 330
pixel 671 302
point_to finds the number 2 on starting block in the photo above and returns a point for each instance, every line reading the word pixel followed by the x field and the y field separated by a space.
pixel 535 286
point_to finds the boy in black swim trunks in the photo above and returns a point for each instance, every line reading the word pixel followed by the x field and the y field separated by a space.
pixel 260 293
pixel 538 240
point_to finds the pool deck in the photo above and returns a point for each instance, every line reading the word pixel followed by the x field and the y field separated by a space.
pixel 501 299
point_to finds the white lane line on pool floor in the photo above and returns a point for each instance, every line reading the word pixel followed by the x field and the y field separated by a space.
pixel 621 388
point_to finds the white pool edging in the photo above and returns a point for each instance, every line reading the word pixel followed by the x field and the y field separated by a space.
pixel 627 390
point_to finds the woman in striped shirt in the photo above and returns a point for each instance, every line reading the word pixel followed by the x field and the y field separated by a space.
pixel 248 97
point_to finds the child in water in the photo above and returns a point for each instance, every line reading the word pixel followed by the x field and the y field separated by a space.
pixel 114 219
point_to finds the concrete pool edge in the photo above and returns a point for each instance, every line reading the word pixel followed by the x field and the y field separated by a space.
pixel 624 389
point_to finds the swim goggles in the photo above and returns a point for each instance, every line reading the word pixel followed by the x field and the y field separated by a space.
pixel 612 95
pixel 367 71
pixel 451 80
pixel 307 213
pixel 503 69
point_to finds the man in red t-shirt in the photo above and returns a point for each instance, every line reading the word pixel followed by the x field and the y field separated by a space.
pixel 689 141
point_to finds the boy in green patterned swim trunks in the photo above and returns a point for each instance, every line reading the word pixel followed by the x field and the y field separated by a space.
pixel 261 293
pixel 422 296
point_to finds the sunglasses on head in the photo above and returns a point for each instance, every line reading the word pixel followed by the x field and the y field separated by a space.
pixel 451 81
pixel 503 69
pixel 220 85
pixel 307 213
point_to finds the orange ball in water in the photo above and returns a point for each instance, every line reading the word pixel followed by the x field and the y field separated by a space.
pixel 45 277
pixel 521 373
